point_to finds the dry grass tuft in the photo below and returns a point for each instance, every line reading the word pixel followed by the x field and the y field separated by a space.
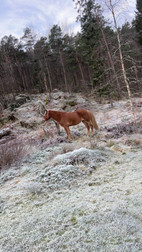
pixel 66 148
pixel 13 152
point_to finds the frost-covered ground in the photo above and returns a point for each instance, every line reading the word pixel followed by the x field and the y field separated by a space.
pixel 83 195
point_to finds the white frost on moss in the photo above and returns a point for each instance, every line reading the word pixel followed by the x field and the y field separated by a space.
pixel 68 168
pixel 82 155
pixel 53 203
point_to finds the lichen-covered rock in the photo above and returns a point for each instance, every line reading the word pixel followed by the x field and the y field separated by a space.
pixel 6 117
pixel 31 123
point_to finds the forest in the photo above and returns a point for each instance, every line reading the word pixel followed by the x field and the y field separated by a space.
pixel 101 59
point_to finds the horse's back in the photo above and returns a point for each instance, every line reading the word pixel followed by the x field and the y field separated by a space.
pixel 84 114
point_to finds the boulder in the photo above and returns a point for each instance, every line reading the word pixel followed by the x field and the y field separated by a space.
pixel 6 116
pixel 19 100
pixel 5 132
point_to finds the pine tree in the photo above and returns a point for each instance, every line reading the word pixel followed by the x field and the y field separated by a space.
pixel 90 39
pixel 56 44
pixel 138 21
pixel 42 62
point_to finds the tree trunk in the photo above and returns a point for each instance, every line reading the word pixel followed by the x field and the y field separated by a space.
pixel 64 72
pixel 110 59
pixel 11 68
pixel 49 77
pixel 20 72
pixel 80 67
pixel 43 75
pixel 122 63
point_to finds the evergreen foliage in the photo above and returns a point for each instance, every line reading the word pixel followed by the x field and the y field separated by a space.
pixel 78 62
pixel 138 21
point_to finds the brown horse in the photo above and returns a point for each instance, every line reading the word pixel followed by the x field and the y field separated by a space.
pixel 66 119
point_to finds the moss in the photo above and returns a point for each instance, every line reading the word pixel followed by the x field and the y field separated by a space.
pixel 112 168
pixel 110 143
pixel 64 246
pixel 61 232
pixel 88 241
pixel 94 201
pixel 91 184
pixel 117 162
pixel 123 152
pixel 95 210
pixel 128 192
pixel 73 220
pixel 72 103
pixel 44 239
pixel 82 213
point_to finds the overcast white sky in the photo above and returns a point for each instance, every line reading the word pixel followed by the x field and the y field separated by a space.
pixel 41 15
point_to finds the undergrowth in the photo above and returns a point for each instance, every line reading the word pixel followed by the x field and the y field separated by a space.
pixel 12 153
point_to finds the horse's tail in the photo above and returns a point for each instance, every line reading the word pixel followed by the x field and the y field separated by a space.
pixel 93 120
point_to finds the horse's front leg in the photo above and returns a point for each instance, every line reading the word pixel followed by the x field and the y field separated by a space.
pixel 57 127
pixel 68 132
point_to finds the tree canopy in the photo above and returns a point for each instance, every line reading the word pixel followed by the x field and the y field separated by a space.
pixel 88 60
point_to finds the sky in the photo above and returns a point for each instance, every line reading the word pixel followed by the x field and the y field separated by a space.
pixel 41 15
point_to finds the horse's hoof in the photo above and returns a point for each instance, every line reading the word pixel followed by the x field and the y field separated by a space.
pixel 70 140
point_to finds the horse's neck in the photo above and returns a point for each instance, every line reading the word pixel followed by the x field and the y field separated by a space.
pixel 56 115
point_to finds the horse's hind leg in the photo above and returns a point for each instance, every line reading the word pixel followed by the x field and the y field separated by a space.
pixel 91 126
pixel 68 132
pixel 87 126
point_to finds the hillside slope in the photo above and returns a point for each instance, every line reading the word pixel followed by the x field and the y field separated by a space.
pixel 83 195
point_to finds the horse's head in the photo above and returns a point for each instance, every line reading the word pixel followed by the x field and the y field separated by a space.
pixel 46 116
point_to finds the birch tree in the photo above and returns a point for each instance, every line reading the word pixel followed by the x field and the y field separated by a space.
pixel 111 6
